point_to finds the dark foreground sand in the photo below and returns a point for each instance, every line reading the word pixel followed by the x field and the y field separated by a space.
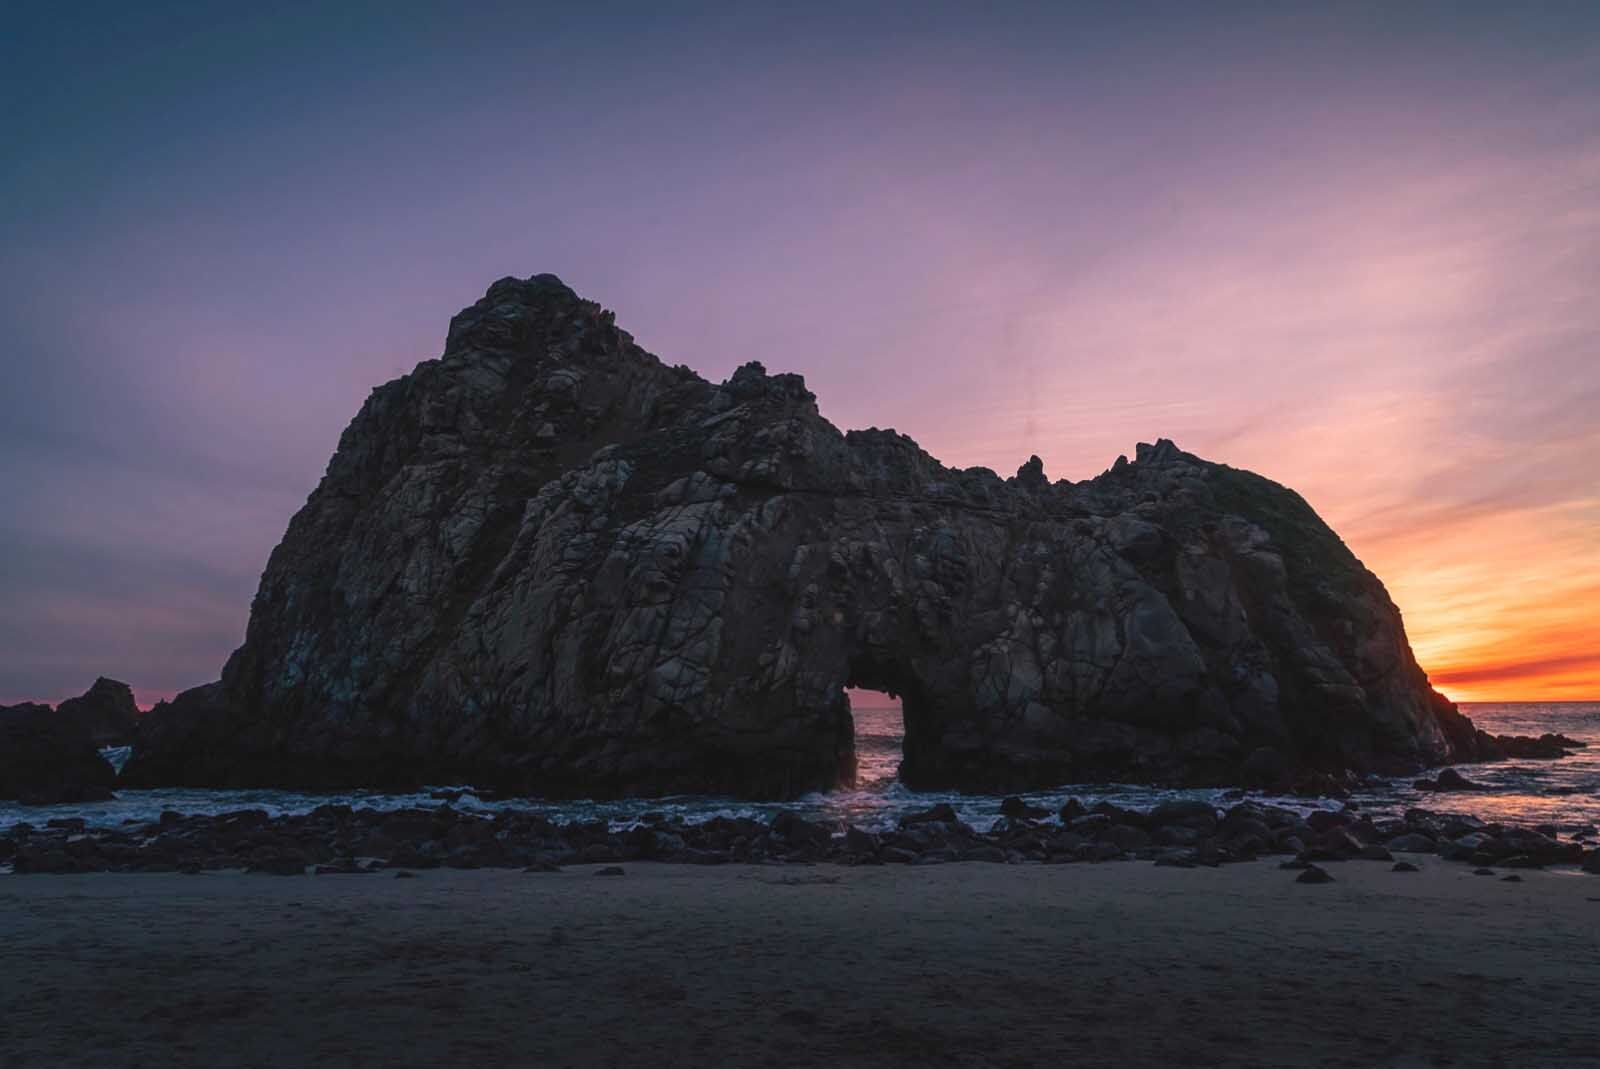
pixel 963 964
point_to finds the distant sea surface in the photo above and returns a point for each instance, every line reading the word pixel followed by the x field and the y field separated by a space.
pixel 1564 792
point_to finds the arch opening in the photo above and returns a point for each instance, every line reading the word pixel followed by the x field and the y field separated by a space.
pixel 888 712
pixel 879 725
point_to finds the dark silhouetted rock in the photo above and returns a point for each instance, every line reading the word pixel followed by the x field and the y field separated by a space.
pixel 548 563
pixel 1413 843
pixel 1268 769
pixel 1448 780
pixel 105 714
pixel 1313 874
pixel 1201 816
pixel 1016 808
pixel 45 760
pixel 1404 866
pixel 857 841
pixel 942 813
pixel 1545 747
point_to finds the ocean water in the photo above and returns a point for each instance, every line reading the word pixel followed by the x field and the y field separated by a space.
pixel 1564 792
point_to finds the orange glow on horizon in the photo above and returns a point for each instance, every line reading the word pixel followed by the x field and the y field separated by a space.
pixel 1378 357
pixel 1498 607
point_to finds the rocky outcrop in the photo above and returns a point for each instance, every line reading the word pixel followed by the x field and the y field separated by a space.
pixel 548 562
pixel 105 714
pixel 46 760
pixel 1546 747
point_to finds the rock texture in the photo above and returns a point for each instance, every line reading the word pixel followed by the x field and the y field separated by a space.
pixel 550 563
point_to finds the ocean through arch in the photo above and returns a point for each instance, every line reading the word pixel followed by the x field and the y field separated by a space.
pixel 879 719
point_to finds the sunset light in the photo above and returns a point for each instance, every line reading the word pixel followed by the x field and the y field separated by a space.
pixel 830 534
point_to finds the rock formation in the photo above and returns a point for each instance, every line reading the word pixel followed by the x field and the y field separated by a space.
pixel 45 759
pixel 548 562
pixel 106 713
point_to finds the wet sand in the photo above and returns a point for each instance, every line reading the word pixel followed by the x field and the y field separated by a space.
pixel 958 965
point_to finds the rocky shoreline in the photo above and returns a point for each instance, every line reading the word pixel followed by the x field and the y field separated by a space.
pixel 339 839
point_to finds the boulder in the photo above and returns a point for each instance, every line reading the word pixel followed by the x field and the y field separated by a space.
pixel 1201 816
pixel 1546 747
pixel 1125 837
pixel 546 562
pixel 863 843
pixel 943 813
pixel 1448 780
pixel 1413 843
pixel 1015 808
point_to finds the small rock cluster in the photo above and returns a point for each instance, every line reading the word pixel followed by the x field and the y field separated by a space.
pixel 337 839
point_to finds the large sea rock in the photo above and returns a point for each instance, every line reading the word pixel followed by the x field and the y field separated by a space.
pixel 548 562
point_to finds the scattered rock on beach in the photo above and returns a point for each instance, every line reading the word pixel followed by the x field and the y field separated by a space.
pixel 1314 874
pixel 1448 780
pixel 1413 843
pixel 1017 809
pixel 943 813
pixel 341 839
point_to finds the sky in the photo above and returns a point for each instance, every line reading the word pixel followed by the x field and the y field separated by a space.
pixel 1355 248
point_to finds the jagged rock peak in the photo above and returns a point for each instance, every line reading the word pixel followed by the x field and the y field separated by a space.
pixel 512 306
pixel 106 712
pixel 551 563
pixel 1031 475
pixel 1162 452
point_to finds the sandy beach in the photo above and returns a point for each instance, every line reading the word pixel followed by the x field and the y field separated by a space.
pixel 960 965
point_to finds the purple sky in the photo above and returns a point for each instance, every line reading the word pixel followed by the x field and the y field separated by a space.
pixel 1357 249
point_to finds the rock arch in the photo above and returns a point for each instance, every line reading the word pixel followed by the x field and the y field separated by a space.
pixel 548 562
